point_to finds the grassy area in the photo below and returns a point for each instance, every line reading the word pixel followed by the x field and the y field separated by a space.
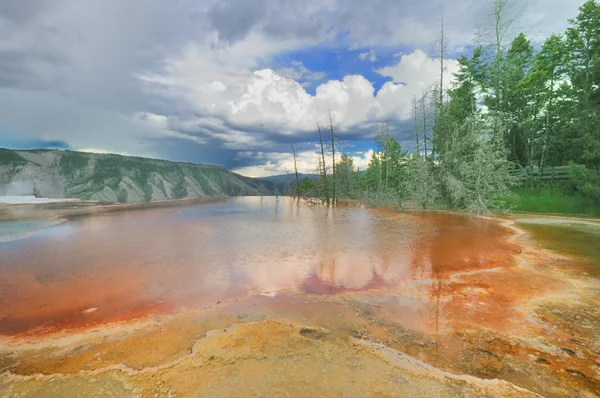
pixel 553 200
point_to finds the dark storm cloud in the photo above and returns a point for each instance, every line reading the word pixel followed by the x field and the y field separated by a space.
pixel 20 68
pixel 370 22
pixel 272 140
pixel 234 19
pixel 378 22
pixel 281 19
pixel 69 69
pixel 24 11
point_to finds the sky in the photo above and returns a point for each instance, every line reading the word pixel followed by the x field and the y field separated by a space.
pixel 234 83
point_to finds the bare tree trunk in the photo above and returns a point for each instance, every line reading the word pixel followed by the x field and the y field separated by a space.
pixel 424 110
pixel 494 38
pixel 442 51
pixel 503 24
pixel 324 167
pixel 415 124
pixel 531 148
pixel 381 139
pixel 548 128
pixel 387 168
pixel 498 12
pixel 333 199
pixel 425 163
pixel 380 157
pixel 440 106
pixel 385 137
pixel 296 170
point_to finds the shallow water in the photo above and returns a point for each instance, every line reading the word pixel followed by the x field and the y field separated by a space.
pixel 581 241
pixel 14 230
pixel 315 291
pixel 125 263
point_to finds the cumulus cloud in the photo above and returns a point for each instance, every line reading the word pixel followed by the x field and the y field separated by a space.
pixel 280 104
pixel 156 78
pixel 418 68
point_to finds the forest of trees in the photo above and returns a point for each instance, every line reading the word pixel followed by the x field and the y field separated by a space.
pixel 513 105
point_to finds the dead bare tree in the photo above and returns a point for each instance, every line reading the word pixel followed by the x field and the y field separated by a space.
pixel 289 186
pixel 494 37
pixel 333 199
pixel 296 170
pixel 439 108
pixel 323 165
pixel 416 124
pixel 424 120
pixel 382 137
pixel 425 112
pixel 442 41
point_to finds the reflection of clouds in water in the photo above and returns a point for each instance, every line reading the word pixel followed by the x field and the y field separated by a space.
pixel 273 275
pixel 350 272
pixel 127 259
pixel 344 248
pixel 355 269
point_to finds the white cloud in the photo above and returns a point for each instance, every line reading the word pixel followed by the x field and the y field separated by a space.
pixel 418 69
pixel 279 104
pixel 275 163
pixel 101 151
pixel 361 161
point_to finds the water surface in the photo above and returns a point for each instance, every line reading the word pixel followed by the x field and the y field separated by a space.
pixel 14 230
pixel 120 265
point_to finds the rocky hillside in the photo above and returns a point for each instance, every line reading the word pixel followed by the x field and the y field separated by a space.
pixel 115 178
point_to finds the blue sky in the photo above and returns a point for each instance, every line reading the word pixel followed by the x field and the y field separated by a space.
pixel 231 82
pixel 337 63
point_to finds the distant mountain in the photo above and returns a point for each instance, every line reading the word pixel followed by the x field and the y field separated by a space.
pixel 116 178
pixel 283 178
pixel 281 182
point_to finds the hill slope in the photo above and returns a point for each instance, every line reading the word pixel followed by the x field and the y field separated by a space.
pixel 115 178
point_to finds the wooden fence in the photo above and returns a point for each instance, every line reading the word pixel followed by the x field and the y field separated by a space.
pixel 548 174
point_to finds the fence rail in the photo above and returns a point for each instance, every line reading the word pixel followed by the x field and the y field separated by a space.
pixel 548 174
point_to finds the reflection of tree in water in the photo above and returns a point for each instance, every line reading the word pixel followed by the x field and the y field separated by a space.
pixel 324 231
pixel 449 245
pixel 326 273
pixel 424 268
pixel 355 250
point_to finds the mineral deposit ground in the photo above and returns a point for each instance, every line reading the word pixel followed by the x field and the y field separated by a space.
pixel 262 297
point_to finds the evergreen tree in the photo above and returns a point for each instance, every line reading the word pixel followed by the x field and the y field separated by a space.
pixel 583 71
pixel 345 177
pixel 371 176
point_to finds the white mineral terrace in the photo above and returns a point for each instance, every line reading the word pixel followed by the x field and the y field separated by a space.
pixel 20 200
